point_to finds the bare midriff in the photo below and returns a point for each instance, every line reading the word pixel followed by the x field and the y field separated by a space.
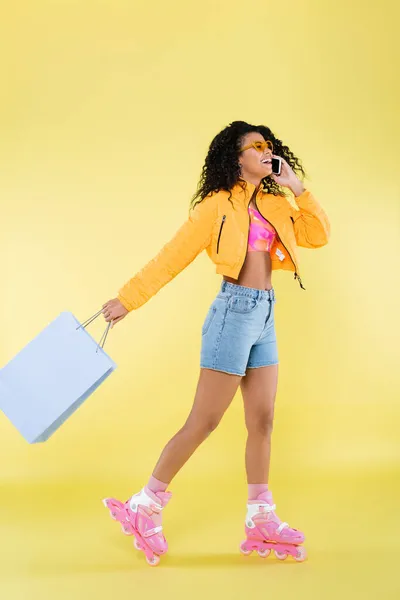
pixel 256 271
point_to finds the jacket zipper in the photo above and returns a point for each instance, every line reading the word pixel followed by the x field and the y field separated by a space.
pixel 296 275
pixel 220 231
pixel 248 234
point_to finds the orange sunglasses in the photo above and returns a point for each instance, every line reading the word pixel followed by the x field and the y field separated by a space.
pixel 259 146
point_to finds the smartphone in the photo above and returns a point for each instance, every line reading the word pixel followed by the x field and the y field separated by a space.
pixel 276 165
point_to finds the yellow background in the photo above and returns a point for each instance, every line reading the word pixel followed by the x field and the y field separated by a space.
pixel 107 111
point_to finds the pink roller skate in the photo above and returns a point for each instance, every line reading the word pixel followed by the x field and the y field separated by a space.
pixel 266 532
pixel 140 516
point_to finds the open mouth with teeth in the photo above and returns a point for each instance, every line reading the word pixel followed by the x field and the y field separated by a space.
pixel 267 161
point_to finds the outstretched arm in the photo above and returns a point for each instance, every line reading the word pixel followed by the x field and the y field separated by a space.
pixel 190 239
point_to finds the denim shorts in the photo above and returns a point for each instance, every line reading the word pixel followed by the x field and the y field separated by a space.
pixel 238 332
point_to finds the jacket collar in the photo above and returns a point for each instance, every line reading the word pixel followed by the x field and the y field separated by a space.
pixel 243 190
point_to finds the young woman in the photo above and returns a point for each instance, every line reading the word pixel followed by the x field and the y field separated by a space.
pixel 242 218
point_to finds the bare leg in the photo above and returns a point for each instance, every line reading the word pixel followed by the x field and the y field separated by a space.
pixel 214 393
pixel 259 390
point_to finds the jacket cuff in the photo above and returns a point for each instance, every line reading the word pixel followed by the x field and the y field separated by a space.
pixel 303 196
pixel 306 201
pixel 125 303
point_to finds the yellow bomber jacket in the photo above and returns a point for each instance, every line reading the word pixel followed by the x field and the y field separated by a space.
pixel 221 226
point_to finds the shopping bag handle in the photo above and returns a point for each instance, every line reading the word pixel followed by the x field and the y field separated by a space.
pixel 104 336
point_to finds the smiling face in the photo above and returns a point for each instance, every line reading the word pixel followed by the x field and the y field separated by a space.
pixel 254 165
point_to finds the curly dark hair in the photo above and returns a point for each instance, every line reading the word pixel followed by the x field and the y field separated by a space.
pixel 221 170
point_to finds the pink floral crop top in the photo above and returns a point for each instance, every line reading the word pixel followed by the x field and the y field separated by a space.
pixel 261 234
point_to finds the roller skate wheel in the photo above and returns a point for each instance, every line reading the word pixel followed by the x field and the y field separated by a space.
pixel 264 553
pixel 244 550
pixel 301 554
pixel 137 545
pixel 154 561
pixel 281 555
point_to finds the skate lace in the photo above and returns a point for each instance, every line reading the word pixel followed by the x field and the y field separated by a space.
pixel 149 511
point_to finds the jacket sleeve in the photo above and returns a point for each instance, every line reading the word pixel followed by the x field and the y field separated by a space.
pixel 189 240
pixel 310 222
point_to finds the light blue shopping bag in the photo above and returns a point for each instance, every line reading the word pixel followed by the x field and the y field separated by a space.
pixel 52 376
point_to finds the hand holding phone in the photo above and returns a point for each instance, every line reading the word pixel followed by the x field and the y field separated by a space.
pixel 283 174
